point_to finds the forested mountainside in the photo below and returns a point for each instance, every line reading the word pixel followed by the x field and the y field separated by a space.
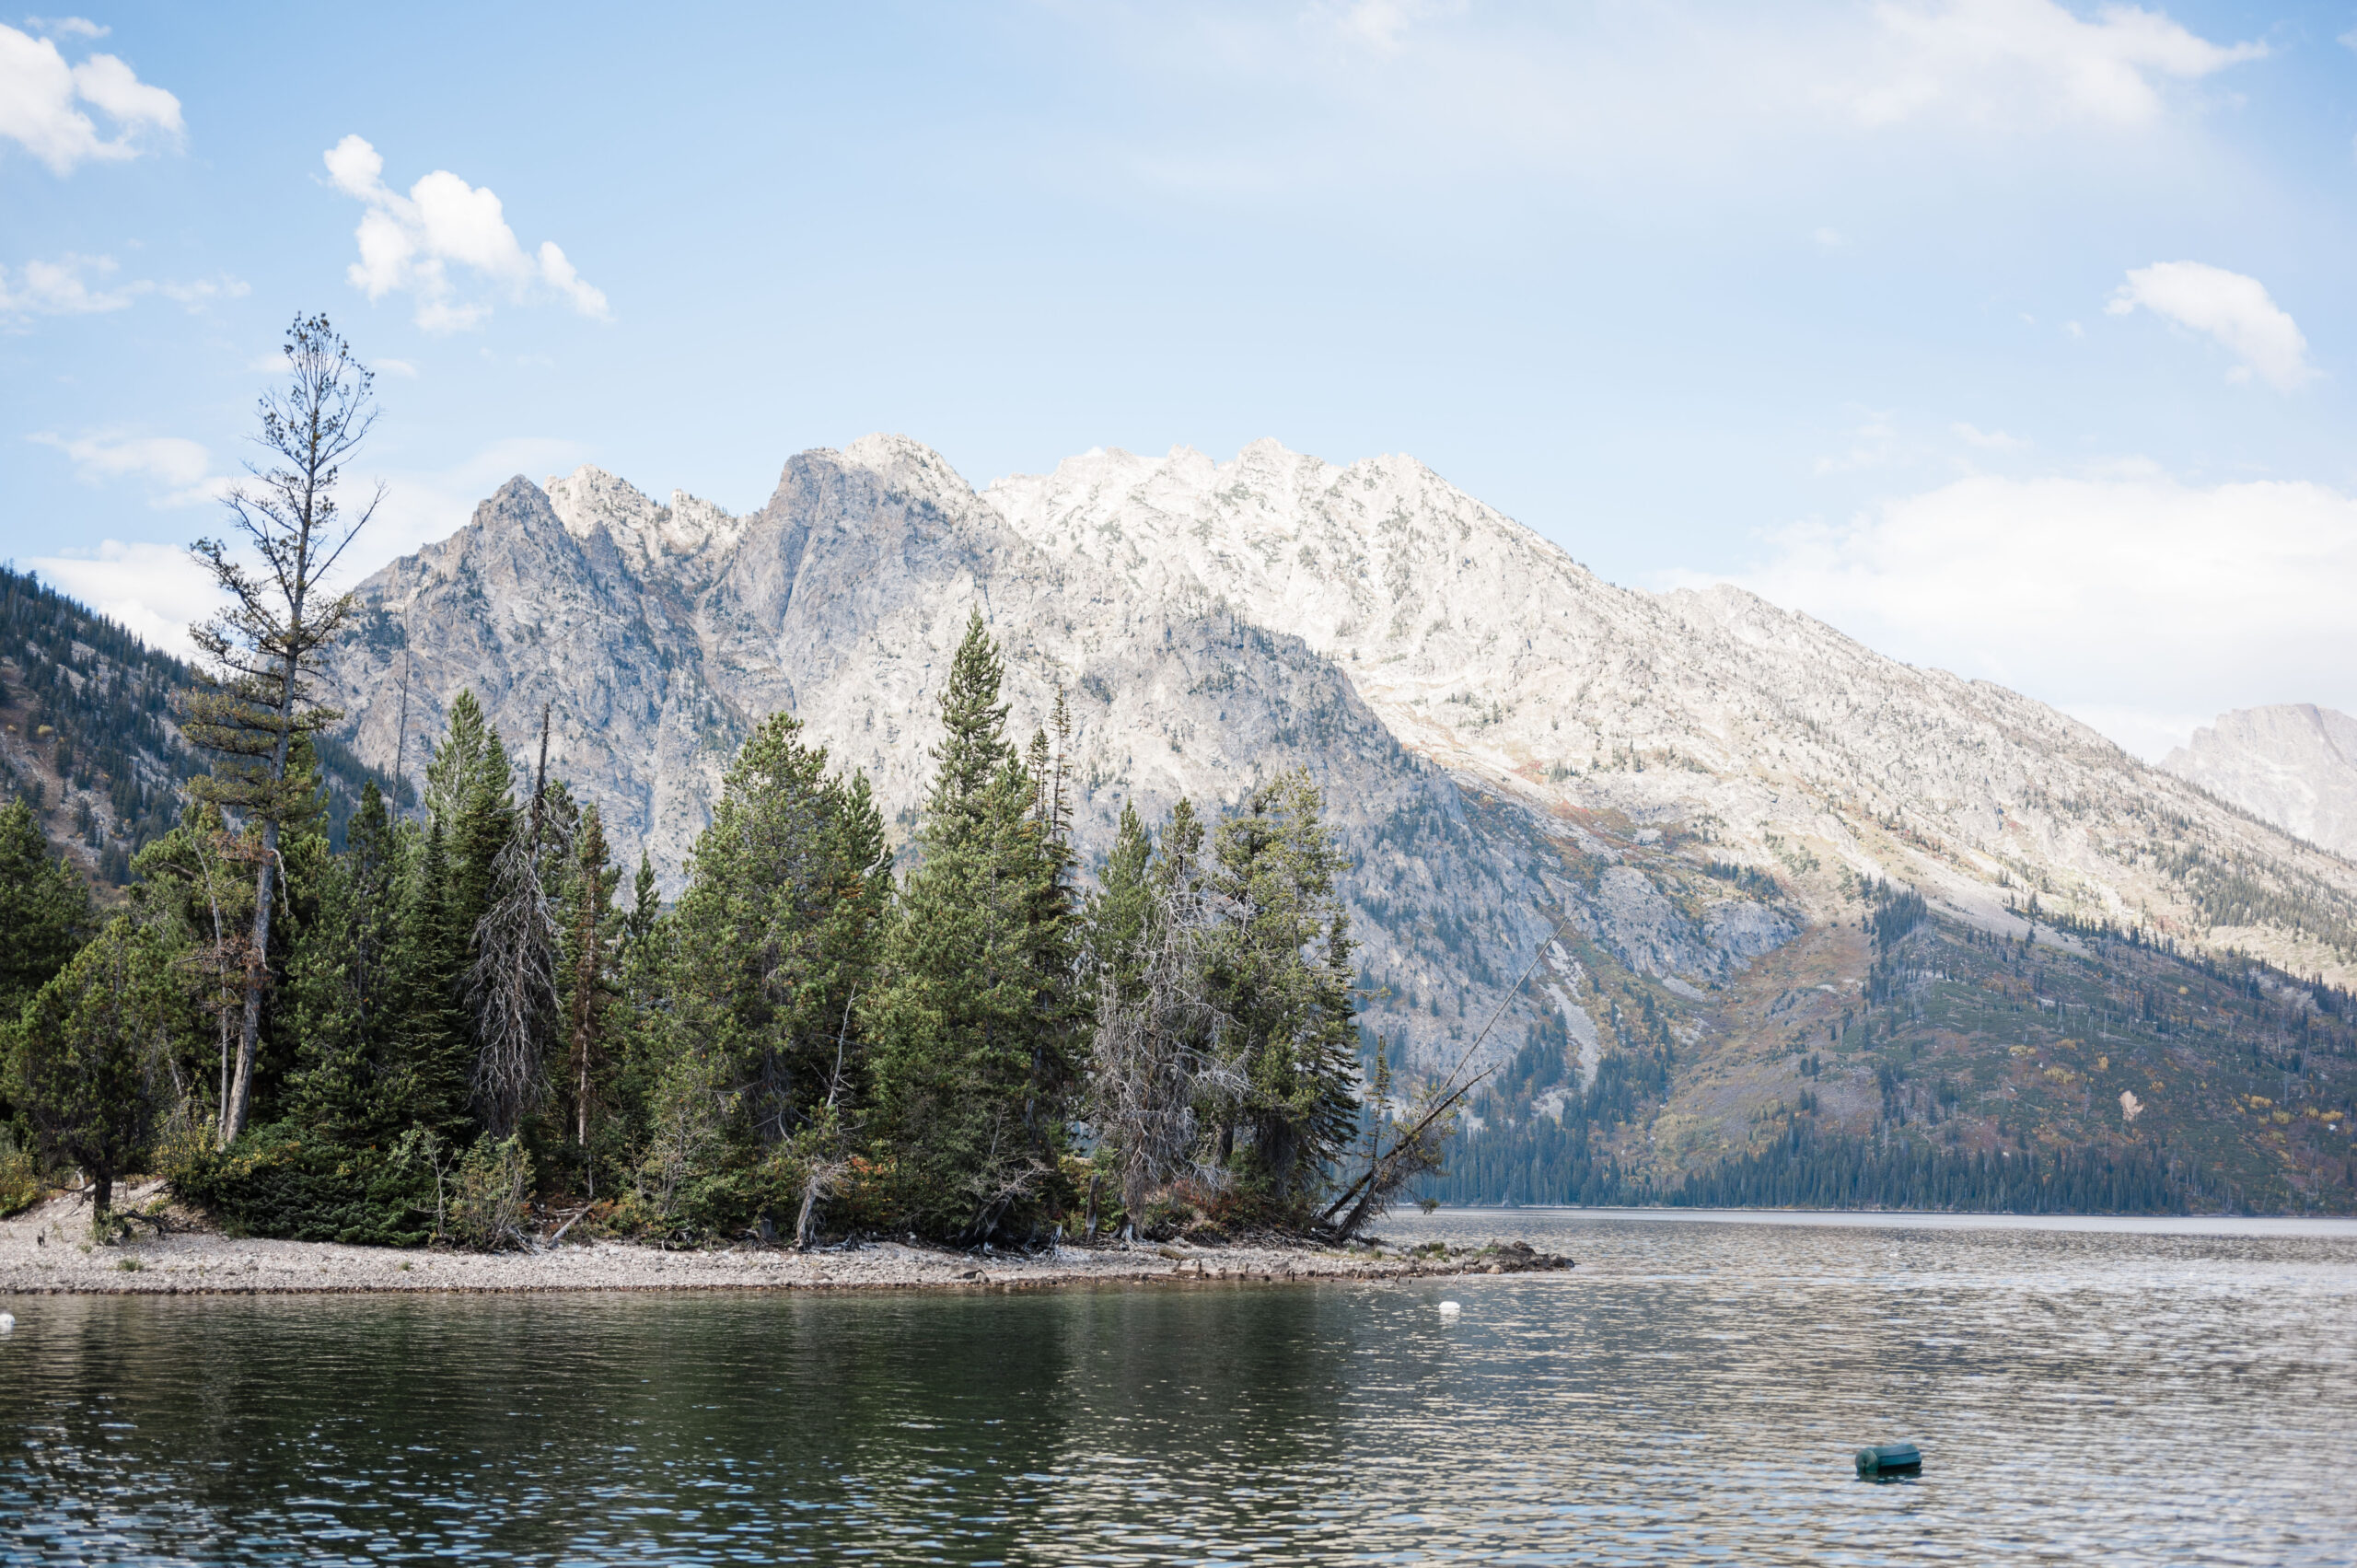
pixel 1682 805
pixel 88 733
pixel 2293 764
pixel 1910 1058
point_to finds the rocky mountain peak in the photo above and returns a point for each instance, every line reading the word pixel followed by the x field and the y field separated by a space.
pixel 912 468
pixel 2293 764
pixel 589 502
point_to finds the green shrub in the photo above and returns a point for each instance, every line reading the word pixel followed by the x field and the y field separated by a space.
pixel 288 1181
pixel 20 1182
pixel 492 1196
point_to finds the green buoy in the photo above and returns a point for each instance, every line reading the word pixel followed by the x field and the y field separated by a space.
pixel 1890 1458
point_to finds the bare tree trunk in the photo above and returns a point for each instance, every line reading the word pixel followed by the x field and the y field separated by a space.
pixel 240 1101
pixel 401 737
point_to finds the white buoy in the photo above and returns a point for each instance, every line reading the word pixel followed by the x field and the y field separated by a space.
pixel 1449 1309
pixel 7 1322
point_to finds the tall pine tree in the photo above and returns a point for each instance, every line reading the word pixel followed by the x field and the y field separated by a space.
pixel 1281 977
pixel 977 1026
pixel 358 1070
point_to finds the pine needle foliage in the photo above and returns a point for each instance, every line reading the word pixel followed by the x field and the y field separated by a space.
pixel 979 1024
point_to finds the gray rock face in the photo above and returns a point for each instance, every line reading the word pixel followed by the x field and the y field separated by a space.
pixel 1507 744
pixel 1784 744
pixel 658 637
pixel 2293 764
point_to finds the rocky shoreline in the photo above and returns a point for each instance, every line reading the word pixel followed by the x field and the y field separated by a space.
pixel 47 1251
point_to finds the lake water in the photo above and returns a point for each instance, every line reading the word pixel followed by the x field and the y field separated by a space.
pixel 2119 1392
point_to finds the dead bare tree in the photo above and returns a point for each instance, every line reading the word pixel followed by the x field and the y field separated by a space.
pixel 1157 1057
pixel 512 987
pixel 1423 1133
pixel 263 650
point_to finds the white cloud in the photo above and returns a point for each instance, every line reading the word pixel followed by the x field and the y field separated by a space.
pixel 1987 440
pixel 155 590
pixel 2025 61
pixel 400 367
pixel 38 104
pixel 179 472
pixel 70 286
pixel 205 291
pixel 409 244
pixel 2132 602
pixel 71 27
pixel 2231 308
pixel 1830 239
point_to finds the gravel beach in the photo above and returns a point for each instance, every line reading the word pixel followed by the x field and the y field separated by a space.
pixel 46 1250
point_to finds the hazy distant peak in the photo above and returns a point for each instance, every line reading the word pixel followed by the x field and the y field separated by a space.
pixel 2293 764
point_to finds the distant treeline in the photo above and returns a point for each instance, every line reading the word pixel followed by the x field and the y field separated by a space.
pixel 1544 1162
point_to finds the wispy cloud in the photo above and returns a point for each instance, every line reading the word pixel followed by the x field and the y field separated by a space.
pixel 42 101
pixel 411 244
pixel 176 471
pixel 70 286
pixel 1987 440
pixel 2234 310
pixel 205 291
pixel 2131 601
pixel 88 286
pixel 67 27
pixel 2016 61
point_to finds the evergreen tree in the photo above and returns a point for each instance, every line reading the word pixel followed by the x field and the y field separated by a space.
pixel 637 1021
pixel 44 910
pixel 468 794
pixel 86 1062
pixel 304 856
pixel 591 928
pixel 358 1073
pixel 772 947
pixel 976 1028
pixel 646 903
pixel 1282 978
pixel 1119 911
pixel 433 936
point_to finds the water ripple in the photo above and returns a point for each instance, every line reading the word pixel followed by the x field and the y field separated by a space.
pixel 1691 1394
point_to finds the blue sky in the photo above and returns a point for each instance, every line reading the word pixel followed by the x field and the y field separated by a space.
pixel 2009 336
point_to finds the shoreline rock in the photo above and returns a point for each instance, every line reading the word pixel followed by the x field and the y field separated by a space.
pixel 47 1251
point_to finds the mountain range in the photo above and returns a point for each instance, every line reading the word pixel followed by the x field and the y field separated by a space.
pixel 1651 860
pixel 1620 822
